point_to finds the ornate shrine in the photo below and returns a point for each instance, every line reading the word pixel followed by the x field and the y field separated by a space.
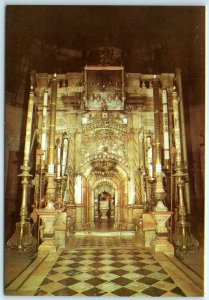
pixel 110 146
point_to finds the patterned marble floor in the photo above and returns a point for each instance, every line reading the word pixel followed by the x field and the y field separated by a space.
pixel 107 266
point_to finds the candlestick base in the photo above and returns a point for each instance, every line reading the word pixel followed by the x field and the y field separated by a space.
pixel 22 239
pixel 183 239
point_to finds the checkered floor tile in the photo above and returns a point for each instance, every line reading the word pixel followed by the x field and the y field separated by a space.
pixel 109 267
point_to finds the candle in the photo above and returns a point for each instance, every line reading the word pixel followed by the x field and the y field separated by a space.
pixel 149 157
pixel 64 155
pixel 58 160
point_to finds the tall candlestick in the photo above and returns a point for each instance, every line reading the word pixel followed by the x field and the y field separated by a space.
pixel 159 191
pixel 22 238
pixel 52 126
pixel 183 134
pixel 157 126
pixel 24 209
pixel 165 125
pixel 50 191
pixel 179 176
pixel 44 125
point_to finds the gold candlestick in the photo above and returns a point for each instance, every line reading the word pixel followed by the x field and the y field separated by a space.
pixel 184 144
pixel 183 238
pixel 159 191
pixel 22 239
pixel 44 126
pixel 51 186
pixel 165 130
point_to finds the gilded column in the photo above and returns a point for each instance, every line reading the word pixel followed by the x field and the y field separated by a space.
pixel 51 186
pixel 22 238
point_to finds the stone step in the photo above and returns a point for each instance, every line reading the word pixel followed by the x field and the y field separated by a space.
pixel 104 233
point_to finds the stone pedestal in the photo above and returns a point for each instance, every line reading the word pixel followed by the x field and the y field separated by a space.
pixel 47 230
pixel 79 217
pixel 148 229
pixel 60 230
pixel 161 243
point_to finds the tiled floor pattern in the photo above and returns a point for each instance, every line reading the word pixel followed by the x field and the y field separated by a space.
pixel 109 267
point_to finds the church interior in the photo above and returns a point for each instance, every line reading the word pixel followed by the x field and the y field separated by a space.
pixel 104 151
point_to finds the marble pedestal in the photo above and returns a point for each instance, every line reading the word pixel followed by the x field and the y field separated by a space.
pixel 48 218
pixel 61 229
pixel 148 229
pixel 161 243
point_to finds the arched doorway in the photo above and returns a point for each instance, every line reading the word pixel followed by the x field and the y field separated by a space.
pixel 104 166
pixel 104 206
pixel 104 198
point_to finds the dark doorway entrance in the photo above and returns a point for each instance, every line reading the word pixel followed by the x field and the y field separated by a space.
pixel 104 212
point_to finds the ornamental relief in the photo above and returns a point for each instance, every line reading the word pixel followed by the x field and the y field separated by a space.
pixel 105 141
pixel 115 121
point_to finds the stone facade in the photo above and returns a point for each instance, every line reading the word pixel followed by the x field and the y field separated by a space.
pixel 104 163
